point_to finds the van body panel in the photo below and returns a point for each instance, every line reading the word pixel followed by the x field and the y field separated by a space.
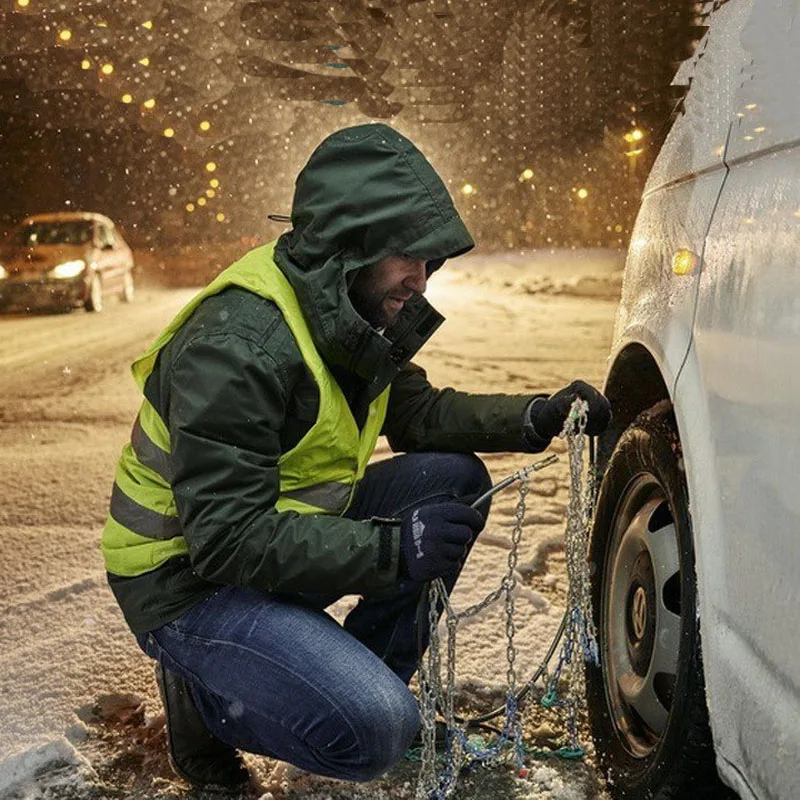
pixel 726 337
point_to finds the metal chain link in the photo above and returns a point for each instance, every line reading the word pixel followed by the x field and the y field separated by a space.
pixel 579 632
pixel 429 677
pixel 511 580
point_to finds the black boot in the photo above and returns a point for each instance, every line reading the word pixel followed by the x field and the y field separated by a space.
pixel 195 754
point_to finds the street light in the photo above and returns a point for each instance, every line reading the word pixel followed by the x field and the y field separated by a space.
pixel 633 138
pixel 636 135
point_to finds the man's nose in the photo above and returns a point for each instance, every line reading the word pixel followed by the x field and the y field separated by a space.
pixel 417 277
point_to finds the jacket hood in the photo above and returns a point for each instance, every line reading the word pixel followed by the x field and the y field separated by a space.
pixel 366 193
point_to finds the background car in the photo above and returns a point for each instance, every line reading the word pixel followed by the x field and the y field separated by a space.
pixel 696 539
pixel 64 260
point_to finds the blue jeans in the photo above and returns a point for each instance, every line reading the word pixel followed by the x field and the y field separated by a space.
pixel 276 675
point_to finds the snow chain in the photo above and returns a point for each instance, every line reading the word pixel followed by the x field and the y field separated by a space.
pixel 578 632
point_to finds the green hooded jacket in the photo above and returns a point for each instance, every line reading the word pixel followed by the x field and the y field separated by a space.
pixel 234 392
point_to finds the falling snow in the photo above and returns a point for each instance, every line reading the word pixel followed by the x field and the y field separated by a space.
pixel 528 111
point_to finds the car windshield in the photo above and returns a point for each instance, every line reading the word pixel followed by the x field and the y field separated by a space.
pixel 71 232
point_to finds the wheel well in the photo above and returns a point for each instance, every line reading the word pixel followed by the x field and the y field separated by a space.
pixel 634 384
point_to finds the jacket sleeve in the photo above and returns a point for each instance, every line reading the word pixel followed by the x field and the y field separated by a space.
pixel 421 417
pixel 227 406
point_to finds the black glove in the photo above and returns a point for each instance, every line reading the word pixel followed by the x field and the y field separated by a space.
pixel 547 416
pixel 434 538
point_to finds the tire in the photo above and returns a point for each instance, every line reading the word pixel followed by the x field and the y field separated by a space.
pixel 94 300
pixel 128 288
pixel 646 700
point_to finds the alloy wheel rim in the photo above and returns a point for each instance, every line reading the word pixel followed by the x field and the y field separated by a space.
pixel 642 616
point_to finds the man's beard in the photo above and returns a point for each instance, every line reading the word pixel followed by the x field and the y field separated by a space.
pixel 370 308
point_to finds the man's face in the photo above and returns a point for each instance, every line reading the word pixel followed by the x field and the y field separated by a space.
pixel 380 291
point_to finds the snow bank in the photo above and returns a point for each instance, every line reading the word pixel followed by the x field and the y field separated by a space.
pixel 593 274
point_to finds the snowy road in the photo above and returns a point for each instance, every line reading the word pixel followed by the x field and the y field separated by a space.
pixel 66 405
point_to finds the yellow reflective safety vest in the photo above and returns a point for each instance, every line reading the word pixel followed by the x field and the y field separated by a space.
pixel 318 476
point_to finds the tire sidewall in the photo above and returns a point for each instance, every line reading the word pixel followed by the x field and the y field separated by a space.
pixel 129 287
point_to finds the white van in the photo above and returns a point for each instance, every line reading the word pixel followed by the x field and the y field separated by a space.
pixel 696 541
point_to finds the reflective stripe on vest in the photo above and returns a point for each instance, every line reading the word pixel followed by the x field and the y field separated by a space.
pixel 333 497
pixel 318 476
pixel 149 453
pixel 140 519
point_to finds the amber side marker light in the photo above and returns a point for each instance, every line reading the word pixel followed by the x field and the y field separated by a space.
pixel 684 261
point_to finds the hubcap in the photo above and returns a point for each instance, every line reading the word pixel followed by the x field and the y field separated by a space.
pixel 641 615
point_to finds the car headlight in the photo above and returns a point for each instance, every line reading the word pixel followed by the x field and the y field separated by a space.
pixel 3 272
pixel 69 269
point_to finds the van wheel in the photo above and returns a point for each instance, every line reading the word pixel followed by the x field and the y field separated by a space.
pixel 94 302
pixel 646 700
